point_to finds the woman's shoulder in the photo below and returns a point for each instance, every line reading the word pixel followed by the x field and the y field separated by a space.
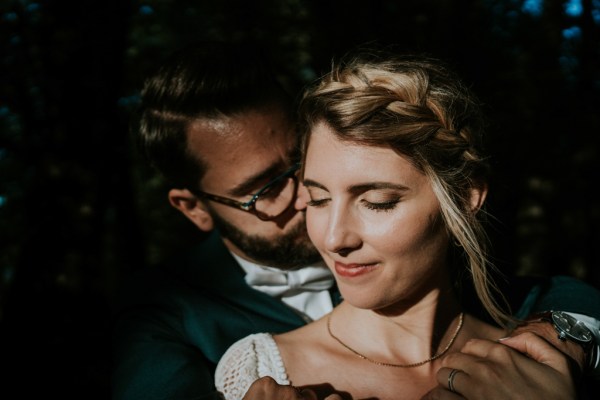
pixel 248 359
pixel 305 333
pixel 255 345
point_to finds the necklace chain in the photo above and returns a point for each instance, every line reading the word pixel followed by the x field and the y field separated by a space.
pixel 417 364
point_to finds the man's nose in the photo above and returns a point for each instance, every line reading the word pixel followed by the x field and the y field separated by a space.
pixel 302 198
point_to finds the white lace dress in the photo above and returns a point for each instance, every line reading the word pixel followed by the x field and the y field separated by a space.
pixel 247 360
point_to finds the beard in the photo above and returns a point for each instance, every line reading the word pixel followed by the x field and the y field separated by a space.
pixel 290 251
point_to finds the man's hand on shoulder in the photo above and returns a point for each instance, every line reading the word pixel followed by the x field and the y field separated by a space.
pixel 525 363
pixel 546 331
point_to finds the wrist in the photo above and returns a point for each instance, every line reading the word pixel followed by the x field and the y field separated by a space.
pixel 567 333
pixel 594 325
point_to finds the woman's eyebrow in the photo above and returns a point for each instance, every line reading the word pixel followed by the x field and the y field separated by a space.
pixel 365 187
pixel 311 183
pixel 361 187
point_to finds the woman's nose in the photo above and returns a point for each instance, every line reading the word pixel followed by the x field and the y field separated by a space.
pixel 342 233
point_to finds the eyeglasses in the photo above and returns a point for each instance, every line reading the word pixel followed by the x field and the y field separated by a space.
pixel 270 201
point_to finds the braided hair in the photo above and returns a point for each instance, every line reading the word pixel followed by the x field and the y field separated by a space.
pixel 418 107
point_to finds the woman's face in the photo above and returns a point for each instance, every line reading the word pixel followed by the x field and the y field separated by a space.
pixel 375 220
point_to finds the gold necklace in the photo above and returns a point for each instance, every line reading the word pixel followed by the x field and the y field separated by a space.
pixel 417 364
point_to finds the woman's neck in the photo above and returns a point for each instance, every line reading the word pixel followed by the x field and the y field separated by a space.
pixel 399 334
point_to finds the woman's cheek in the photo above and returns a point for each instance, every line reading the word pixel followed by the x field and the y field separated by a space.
pixel 313 225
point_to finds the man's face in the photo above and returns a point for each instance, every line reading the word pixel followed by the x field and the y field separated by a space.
pixel 242 154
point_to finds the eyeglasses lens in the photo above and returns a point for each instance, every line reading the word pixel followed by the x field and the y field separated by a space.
pixel 276 198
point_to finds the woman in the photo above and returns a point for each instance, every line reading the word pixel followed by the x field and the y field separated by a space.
pixel 396 178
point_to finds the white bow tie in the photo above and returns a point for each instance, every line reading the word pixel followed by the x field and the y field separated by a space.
pixel 278 283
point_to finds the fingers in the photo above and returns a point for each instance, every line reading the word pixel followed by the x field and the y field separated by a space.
pixel 452 379
pixel 547 332
pixel 491 369
pixel 451 376
pixel 527 348
pixel 466 362
pixel 306 394
pixel 266 388
pixel 441 393
pixel 334 397
pixel 528 344
pixel 539 350
pixel 479 347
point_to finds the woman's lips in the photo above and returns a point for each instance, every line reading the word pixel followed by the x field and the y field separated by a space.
pixel 352 270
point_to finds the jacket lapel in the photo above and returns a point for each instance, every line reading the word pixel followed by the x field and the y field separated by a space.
pixel 211 268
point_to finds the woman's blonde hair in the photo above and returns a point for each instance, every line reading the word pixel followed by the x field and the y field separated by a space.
pixel 418 107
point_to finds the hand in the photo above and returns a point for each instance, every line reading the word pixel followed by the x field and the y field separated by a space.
pixel 546 331
pixel 266 388
pixel 494 370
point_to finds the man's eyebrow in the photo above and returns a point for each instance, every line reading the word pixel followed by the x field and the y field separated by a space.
pixel 252 183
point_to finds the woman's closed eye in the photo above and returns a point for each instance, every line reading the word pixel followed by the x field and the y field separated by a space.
pixel 386 205
pixel 318 197
pixel 381 206
pixel 317 202
pixel 380 200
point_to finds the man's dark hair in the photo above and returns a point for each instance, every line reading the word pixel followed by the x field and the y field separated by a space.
pixel 202 80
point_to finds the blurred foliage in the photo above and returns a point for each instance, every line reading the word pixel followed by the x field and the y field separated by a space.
pixel 79 210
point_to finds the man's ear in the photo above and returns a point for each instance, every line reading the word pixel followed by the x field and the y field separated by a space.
pixel 192 207
pixel 478 195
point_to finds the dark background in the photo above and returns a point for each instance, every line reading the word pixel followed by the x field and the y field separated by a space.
pixel 79 211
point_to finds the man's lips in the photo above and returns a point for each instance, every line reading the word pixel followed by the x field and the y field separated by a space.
pixel 352 270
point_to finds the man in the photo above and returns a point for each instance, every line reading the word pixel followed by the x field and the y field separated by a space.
pixel 216 123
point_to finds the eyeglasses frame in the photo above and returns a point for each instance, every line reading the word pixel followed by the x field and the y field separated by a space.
pixel 250 205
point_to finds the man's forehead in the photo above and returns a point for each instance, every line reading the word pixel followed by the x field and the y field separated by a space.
pixel 245 176
pixel 220 126
pixel 239 148
pixel 248 126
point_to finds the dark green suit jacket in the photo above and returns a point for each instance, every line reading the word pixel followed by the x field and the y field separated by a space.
pixel 175 323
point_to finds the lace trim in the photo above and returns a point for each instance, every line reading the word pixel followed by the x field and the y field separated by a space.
pixel 245 361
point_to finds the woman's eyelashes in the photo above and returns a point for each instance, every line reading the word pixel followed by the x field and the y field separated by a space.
pixel 316 202
pixel 386 204
pixel 381 206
